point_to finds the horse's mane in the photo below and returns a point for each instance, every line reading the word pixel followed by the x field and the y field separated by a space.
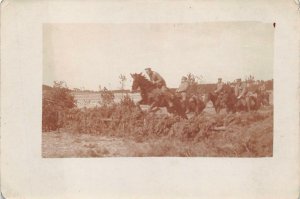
pixel 143 77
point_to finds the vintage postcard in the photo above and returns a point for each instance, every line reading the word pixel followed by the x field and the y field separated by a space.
pixel 150 99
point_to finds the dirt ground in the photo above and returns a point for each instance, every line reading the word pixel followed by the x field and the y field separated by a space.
pixel 244 136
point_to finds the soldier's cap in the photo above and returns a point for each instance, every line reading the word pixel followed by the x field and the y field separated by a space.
pixel 219 78
pixel 148 68
pixel 184 78
pixel 238 79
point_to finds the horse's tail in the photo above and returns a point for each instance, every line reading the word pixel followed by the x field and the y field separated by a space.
pixel 200 106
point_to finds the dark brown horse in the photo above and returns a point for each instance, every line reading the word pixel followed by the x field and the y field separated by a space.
pixel 229 101
pixel 155 97
pixel 262 98
pixel 225 100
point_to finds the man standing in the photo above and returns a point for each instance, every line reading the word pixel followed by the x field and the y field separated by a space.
pixel 156 79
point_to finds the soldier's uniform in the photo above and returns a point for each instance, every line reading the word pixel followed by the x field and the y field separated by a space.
pixel 182 89
pixel 157 79
pixel 220 87
pixel 241 92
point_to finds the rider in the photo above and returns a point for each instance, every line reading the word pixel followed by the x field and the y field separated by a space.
pixel 159 81
pixel 219 90
pixel 241 94
pixel 182 89
pixel 156 79
pixel 220 87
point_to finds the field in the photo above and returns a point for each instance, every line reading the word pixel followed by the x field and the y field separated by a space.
pixel 207 135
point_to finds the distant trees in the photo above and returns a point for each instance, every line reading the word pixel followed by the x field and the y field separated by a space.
pixel 250 79
pixel 122 80
pixel 56 101
pixel 62 96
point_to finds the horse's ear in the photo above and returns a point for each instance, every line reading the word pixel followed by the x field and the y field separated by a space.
pixel 140 74
pixel 131 75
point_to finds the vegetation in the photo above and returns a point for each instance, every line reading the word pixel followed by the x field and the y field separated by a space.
pixel 246 134
pixel 57 100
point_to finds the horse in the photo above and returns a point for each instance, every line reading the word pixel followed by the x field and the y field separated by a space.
pixel 263 97
pixel 226 99
pixel 155 97
pixel 256 100
pixel 255 97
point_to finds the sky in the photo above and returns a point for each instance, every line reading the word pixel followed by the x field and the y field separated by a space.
pixel 89 55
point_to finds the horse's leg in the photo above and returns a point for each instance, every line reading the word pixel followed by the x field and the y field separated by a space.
pixel 213 99
pixel 177 107
pixel 237 105
pixel 256 103
pixel 248 103
pixel 138 105
pixel 189 106
pixel 216 106
pixel 209 97
pixel 229 108
pixel 265 100
pixel 218 109
pixel 181 110
pixel 199 107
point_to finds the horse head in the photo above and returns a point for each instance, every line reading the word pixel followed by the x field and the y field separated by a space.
pixel 136 81
pixel 140 82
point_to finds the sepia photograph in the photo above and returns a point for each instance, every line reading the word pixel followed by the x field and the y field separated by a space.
pixel 149 99
pixel 157 89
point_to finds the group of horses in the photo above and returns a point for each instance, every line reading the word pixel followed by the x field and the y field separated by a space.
pixel 156 98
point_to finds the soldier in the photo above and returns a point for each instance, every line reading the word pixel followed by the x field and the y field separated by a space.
pixel 220 86
pixel 219 90
pixel 182 89
pixel 241 94
pixel 156 79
